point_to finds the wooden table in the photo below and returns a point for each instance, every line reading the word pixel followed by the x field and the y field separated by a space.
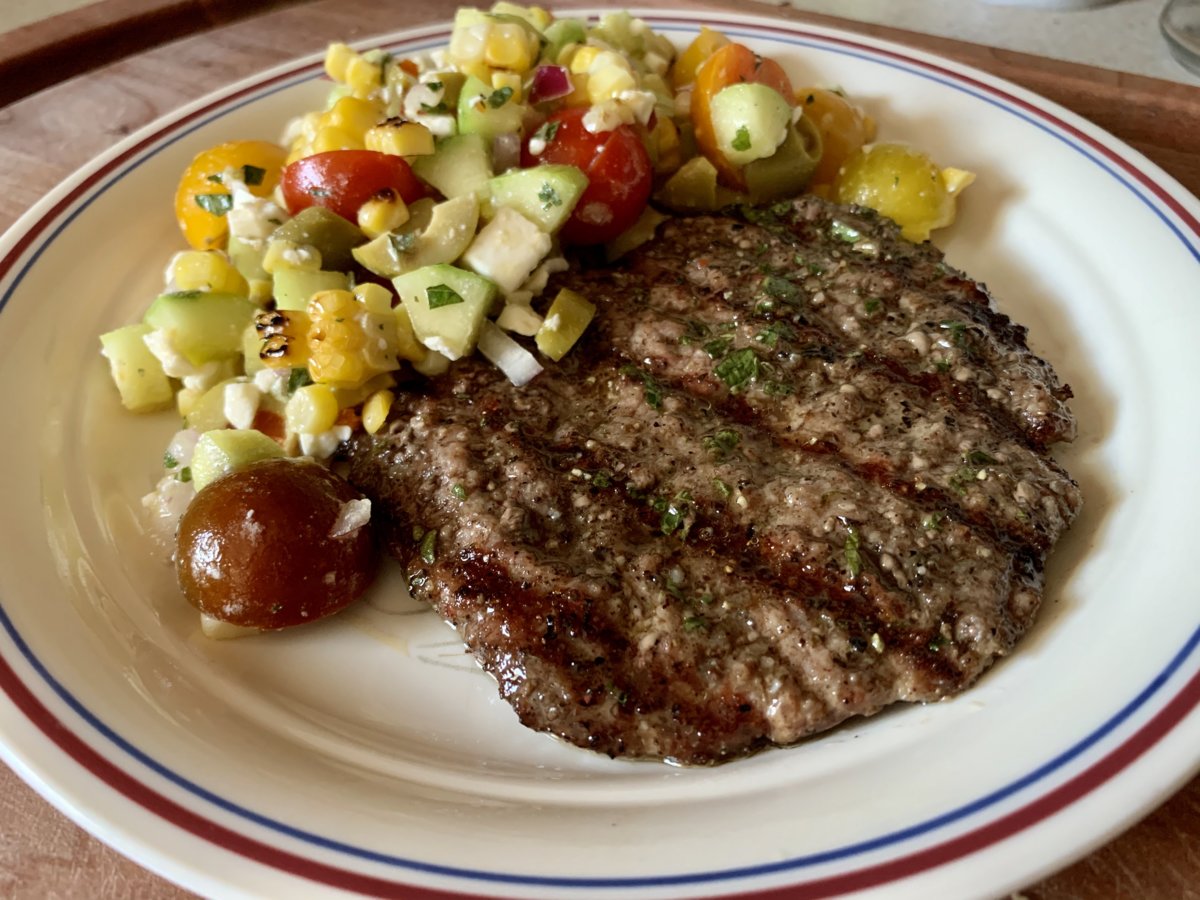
pixel 45 137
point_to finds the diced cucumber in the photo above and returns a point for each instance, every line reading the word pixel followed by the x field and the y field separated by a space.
pixel 787 171
pixel 135 370
pixel 450 230
pixel 566 319
pixel 749 121
pixel 446 305
pixel 546 195
pixel 507 249
pixel 293 287
pixel 321 228
pixel 487 112
pixel 203 325
pixel 247 257
pixel 207 411
pixel 220 452
pixel 559 34
pixel 461 164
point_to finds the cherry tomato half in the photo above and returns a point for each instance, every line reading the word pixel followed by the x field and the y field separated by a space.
pixel 730 64
pixel 343 180
pixel 620 175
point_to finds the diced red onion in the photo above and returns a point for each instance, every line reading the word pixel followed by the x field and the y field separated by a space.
pixel 506 151
pixel 518 364
pixel 549 83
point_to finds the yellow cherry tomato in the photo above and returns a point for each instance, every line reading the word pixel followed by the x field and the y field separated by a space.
pixel 201 201
pixel 705 44
pixel 903 184
pixel 843 127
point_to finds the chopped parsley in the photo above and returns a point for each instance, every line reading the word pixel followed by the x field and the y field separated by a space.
pixel 853 557
pixel 722 442
pixel 673 515
pixel 601 479
pixel 718 347
pixel 185 474
pixel 253 176
pixel 691 623
pixel 546 133
pixel 780 288
pixel 436 109
pixel 933 521
pixel 872 305
pixel 979 458
pixel 499 97
pixel 772 334
pixel 741 139
pixel 723 488
pixel 440 295
pixel 549 196
pixel 429 546
pixel 402 243
pixel 738 369
pixel 459 492
pixel 653 390
pixel 217 204
pixel 297 379
pixel 169 462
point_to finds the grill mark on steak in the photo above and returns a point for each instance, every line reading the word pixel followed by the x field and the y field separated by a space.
pixel 654 564
pixel 895 432
pixel 980 356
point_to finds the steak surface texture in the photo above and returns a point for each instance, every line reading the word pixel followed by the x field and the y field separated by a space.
pixel 795 471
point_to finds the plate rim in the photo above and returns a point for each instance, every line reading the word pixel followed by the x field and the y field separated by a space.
pixel 26 231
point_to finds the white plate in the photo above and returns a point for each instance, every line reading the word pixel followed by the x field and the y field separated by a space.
pixel 369 755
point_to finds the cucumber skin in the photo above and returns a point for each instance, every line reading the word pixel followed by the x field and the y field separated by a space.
pixel 522 189
pixel 461 164
pixel 204 325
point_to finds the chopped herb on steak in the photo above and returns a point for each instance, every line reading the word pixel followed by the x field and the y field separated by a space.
pixel 721 523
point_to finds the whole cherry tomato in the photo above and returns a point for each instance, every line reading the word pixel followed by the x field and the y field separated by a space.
pixel 343 180
pixel 620 175
pixel 730 64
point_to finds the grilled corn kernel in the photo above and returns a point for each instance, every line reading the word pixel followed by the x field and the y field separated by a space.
pixel 347 343
pixel 337 60
pixel 363 77
pixel 285 254
pixel 330 137
pixel 205 270
pixel 509 46
pixel 384 212
pixel 399 138
pixel 375 297
pixel 510 80
pixel 582 59
pixel 283 335
pixel 311 409
pixel 353 115
pixel 606 82
pixel 375 410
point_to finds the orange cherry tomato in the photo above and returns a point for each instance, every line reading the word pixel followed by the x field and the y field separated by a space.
pixel 843 127
pixel 200 199
pixel 730 64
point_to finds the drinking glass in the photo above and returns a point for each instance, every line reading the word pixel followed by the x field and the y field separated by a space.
pixel 1180 24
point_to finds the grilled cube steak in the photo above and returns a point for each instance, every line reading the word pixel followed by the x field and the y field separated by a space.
pixel 795 472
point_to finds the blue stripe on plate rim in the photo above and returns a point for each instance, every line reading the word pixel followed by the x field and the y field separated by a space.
pixel 1146 189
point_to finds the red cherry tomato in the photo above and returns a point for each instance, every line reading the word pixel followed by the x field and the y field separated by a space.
pixel 620 175
pixel 343 180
